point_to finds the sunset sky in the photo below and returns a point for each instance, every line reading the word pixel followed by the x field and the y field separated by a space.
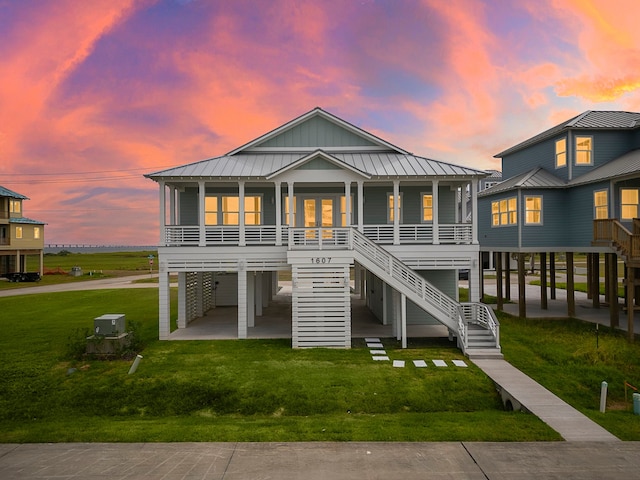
pixel 94 94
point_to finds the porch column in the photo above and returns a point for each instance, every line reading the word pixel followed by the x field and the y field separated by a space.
pixel 396 212
pixel 172 206
pixel 242 300
pixel 291 210
pixel 163 218
pixel 360 206
pixel 199 294
pixel 463 204
pixel 434 206
pixel 259 297
pixel 403 316
pixel 251 299
pixel 201 221
pixel 278 202
pixel 164 301
pixel 241 228
pixel 41 262
pixel 347 204
pixel 182 299
pixel 474 211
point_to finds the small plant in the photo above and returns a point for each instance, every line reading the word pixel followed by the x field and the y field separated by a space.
pixel 82 341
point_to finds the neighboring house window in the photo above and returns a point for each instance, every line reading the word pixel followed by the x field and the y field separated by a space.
pixel 18 232
pixel 533 210
pixel 390 207
pixel 561 153
pixel 36 233
pixel 628 203
pixel 15 206
pixel 427 207
pixel 600 205
pixel 584 150
pixel 504 212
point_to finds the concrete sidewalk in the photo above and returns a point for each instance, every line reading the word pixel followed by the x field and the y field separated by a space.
pixel 323 460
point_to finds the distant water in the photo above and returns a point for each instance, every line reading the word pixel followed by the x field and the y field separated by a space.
pixel 56 248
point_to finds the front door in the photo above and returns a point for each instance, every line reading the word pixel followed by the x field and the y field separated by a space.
pixel 319 212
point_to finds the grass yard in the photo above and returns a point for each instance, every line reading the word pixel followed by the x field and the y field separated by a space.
pixel 251 390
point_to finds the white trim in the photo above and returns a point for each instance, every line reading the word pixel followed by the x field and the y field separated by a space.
pixel 591 151
pixel 312 156
pixel 525 211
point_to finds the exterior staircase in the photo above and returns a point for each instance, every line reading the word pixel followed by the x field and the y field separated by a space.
pixel 474 324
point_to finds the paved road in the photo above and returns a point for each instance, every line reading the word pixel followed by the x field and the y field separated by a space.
pixel 316 461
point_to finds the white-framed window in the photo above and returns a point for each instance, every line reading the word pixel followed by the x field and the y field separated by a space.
pixel 561 153
pixel 504 212
pixel 533 210
pixel 600 204
pixel 285 201
pixel 343 210
pixel 427 207
pixel 628 203
pixel 225 210
pixel 18 232
pixel 584 150
pixel 36 233
pixel 15 206
pixel 390 207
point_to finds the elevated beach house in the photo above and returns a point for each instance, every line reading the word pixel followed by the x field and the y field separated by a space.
pixel 20 237
pixel 574 188
pixel 338 209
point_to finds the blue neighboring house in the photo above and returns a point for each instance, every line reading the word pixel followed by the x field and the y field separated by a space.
pixel 574 188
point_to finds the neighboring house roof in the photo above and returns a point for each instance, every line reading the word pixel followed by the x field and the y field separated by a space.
pixel 591 120
pixel 25 220
pixel 536 178
pixel 493 174
pixel 5 192
pixel 625 165
pixel 367 155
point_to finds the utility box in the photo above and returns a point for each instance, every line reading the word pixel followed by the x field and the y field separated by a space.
pixel 109 325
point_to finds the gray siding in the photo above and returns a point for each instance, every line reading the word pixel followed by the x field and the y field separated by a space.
pixel 607 146
pixel 317 132
pixel 488 236
pixel 540 155
pixel 553 230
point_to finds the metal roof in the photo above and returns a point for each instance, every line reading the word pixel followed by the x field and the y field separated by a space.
pixel 536 178
pixel 263 165
pixel 591 120
pixel 25 220
pixel 5 192
pixel 625 165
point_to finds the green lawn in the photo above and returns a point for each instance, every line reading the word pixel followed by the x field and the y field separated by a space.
pixel 228 390
pixel 262 390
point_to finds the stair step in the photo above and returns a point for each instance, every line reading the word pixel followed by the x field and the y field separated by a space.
pixel 483 353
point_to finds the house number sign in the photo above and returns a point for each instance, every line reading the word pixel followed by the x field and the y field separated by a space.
pixel 320 259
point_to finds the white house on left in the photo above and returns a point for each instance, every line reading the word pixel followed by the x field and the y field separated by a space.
pixel 331 204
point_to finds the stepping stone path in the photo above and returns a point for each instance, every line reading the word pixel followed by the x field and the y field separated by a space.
pixel 379 354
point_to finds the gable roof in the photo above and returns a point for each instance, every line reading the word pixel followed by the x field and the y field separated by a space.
pixel 318 113
pixel 365 154
pixel 5 192
pixel 591 120
pixel 623 166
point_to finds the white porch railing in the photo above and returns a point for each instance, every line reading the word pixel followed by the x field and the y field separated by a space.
pixel 185 235
pixel 477 313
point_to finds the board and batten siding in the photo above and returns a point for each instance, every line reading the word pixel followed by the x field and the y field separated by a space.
pixel 316 133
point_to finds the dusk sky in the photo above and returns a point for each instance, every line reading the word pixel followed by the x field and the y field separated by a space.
pixel 94 94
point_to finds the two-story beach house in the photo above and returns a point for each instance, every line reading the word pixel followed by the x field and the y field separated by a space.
pixel 20 237
pixel 330 204
pixel 574 188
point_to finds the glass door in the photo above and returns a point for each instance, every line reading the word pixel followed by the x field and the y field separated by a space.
pixel 318 212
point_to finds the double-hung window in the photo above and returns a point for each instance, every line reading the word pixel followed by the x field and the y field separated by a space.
pixel 561 153
pixel 600 205
pixel 36 233
pixel 584 150
pixel 504 212
pixel 628 203
pixel 391 209
pixel 533 210
pixel 427 207
pixel 15 206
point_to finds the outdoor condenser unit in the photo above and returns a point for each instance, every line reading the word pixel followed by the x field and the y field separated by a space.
pixel 109 325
